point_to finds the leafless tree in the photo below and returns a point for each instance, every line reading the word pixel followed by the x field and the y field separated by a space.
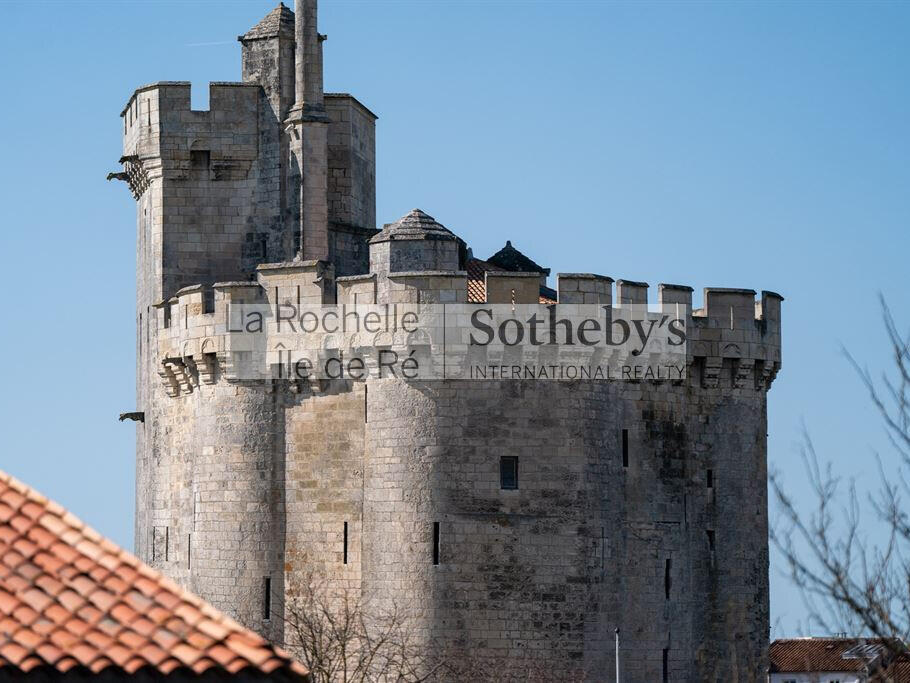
pixel 850 582
pixel 342 638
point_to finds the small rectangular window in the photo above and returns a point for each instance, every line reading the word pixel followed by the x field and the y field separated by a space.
pixel 208 301
pixel 710 479
pixel 666 667
pixel 508 472
pixel 199 158
pixel 160 542
pixel 435 542
pixel 667 579
pixel 189 550
pixel 710 539
pixel 267 598
pixel 625 447
pixel 345 543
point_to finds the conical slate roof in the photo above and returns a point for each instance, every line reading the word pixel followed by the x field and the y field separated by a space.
pixel 279 21
pixel 509 258
pixel 415 225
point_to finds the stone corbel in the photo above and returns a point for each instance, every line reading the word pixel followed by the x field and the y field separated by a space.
pixel 205 365
pixel 711 371
pixel 169 377
pixel 183 376
pixel 743 370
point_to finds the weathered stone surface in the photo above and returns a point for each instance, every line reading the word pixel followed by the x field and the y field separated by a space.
pixel 242 481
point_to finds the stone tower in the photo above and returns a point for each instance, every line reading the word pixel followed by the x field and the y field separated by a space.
pixel 641 505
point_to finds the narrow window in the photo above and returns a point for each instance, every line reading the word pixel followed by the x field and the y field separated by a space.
pixel 208 301
pixel 666 676
pixel 625 447
pixel 267 599
pixel 508 472
pixel 167 543
pixel 710 539
pixel 710 479
pixel 345 542
pixel 435 542
pixel 667 579
pixel 189 550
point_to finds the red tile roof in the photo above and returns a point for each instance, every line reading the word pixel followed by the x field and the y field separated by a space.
pixel 477 288
pixel 838 655
pixel 71 600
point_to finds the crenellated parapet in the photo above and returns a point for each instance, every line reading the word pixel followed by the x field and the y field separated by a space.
pixel 730 334
pixel 160 124
pixel 201 337
pixel 732 340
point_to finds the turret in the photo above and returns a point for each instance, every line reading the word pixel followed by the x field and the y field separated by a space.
pixel 416 259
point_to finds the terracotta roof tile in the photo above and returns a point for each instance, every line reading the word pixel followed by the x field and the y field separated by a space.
pixel 57 613
pixel 27 638
pixel 32 509
pixel 25 615
pixel 70 598
pixel 204 665
pixel 43 626
pixel 169 665
pixel 813 655
pixel 66 663
pixel 477 288
pixel 49 653
pixel 12 498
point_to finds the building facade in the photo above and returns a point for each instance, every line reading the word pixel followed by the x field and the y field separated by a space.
pixel 639 505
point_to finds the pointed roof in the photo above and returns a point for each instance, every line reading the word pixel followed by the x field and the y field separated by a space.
pixel 414 225
pixel 509 258
pixel 72 601
pixel 279 21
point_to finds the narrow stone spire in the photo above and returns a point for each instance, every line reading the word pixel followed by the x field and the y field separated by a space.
pixel 308 128
pixel 308 57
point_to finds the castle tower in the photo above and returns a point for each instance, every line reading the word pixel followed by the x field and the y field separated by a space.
pixel 633 504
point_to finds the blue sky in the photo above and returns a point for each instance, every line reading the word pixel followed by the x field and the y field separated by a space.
pixel 760 145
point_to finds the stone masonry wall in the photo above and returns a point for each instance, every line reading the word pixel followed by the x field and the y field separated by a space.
pixel 548 570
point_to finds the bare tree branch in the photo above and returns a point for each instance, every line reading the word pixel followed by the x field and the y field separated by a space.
pixel 849 582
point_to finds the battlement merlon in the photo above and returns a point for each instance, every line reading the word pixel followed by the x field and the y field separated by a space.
pixel 731 327
pixel 733 335
pixel 169 102
pixel 161 130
